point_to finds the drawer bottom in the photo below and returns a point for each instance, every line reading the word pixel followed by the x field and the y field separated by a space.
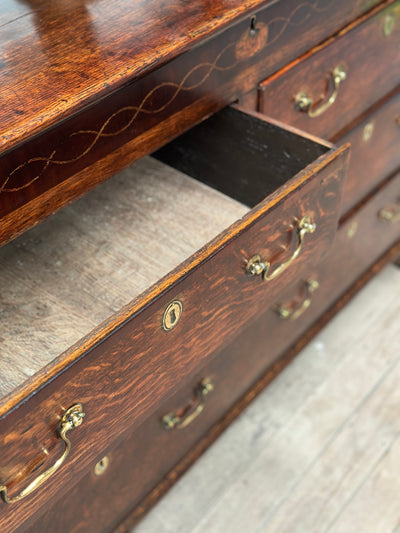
pixel 154 456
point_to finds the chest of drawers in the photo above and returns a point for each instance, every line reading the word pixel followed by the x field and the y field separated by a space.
pixel 139 320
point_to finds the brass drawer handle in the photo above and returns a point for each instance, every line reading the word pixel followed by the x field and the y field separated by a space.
pixel 293 313
pixel 305 103
pixel 72 418
pixel 391 215
pixel 173 420
pixel 256 267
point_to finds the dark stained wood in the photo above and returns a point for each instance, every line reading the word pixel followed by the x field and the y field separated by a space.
pixel 149 453
pixel 375 151
pixel 249 101
pixel 130 371
pixel 110 96
pixel 291 145
pixel 235 370
pixel 137 513
pixel 353 261
pixel 60 56
pixel 90 86
pixel 370 76
pixel 241 154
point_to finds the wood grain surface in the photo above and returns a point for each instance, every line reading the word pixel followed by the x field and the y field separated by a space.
pixel 82 86
pixel 136 514
pixel 58 57
pixel 148 451
pixel 359 245
pixel 69 274
pixel 132 370
pixel 75 280
pixel 369 77
pixel 318 451
pixel 375 150
pixel 129 114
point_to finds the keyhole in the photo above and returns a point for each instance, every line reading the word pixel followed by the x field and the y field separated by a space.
pixel 101 466
pixel 253 29
pixel 172 315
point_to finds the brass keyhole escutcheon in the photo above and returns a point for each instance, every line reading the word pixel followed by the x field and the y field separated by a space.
pixel 172 315
pixel 101 466
pixel 388 25
pixel 368 131
pixel 352 229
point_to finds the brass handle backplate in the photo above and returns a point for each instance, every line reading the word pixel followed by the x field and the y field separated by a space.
pixel 256 267
pixel 391 215
pixel 305 103
pixel 288 312
pixel 190 413
pixel 72 418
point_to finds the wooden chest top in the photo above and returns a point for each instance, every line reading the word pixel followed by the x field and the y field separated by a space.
pixel 57 57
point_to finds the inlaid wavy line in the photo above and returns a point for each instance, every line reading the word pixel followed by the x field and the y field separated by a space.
pixel 137 109
pixel 288 21
pixel 35 159
pixel 179 87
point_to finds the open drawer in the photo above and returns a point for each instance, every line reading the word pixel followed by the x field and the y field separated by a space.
pixel 166 328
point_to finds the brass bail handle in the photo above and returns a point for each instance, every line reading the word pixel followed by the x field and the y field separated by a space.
pixel 305 103
pixel 72 418
pixel 174 421
pixel 293 313
pixel 256 267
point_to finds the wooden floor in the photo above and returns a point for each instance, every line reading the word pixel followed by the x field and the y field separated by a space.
pixel 319 450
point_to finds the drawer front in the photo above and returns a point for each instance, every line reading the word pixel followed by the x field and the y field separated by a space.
pixel 375 151
pixel 132 363
pixel 324 91
pixel 360 241
pixel 150 452
pixel 52 168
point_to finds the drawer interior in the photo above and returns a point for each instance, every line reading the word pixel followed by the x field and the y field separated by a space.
pixel 64 277
pixel 242 154
pixel 71 272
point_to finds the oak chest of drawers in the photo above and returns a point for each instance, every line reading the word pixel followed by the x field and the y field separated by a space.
pixel 137 321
